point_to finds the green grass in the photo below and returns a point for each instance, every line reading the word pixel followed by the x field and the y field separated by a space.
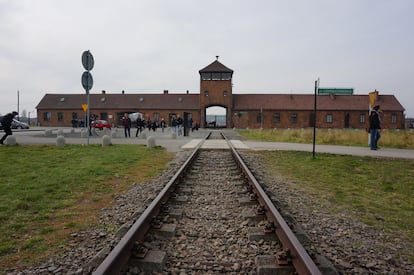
pixel 48 192
pixel 379 191
pixel 403 139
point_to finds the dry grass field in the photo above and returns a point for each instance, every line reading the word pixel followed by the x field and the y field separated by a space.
pixel 402 139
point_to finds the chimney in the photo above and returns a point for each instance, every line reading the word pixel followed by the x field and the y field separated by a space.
pixel 123 92
pixel 166 92
pixel 103 92
pixel 188 91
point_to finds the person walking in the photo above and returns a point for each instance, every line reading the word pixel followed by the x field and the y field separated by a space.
pixel 126 122
pixel 174 124
pixel 6 123
pixel 140 125
pixel 374 127
pixel 180 122
pixel 163 124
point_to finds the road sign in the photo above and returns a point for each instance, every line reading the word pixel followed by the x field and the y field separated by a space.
pixel 87 81
pixel 87 60
pixel 85 107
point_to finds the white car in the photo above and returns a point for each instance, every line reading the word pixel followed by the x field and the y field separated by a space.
pixel 19 125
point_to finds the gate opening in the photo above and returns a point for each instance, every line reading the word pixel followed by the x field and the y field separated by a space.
pixel 216 117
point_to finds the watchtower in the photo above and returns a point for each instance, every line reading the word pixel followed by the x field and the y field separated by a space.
pixel 216 89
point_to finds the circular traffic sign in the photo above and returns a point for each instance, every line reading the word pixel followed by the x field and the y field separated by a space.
pixel 87 60
pixel 87 81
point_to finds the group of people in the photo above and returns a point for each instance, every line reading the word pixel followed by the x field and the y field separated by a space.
pixel 141 124
pixel 177 125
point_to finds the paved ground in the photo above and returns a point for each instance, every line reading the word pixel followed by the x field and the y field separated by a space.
pixel 175 144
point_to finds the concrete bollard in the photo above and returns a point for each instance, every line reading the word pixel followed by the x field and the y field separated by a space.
pixel 84 133
pixel 48 133
pixel 60 141
pixel 151 142
pixel 10 140
pixel 106 140
pixel 143 135
pixel 60 132
pixel 173 135
pixel 113 134
pixel 72 131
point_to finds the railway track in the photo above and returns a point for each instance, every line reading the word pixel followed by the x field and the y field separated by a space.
pixel 211 217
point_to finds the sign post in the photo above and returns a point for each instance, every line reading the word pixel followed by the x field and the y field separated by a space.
pixel 87 83
pixel 314 118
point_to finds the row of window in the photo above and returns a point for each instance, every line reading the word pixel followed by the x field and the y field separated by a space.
pixel 216 76
pixel 329 118
pixel 224 93
pixel 259 118
pixel 47 116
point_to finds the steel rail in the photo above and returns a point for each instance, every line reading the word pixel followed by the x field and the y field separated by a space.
pixel 300 258
pixel 120 254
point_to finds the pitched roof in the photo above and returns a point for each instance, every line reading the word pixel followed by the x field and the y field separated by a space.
pixel 306 102
pixel 240 102
pixel 121 101
pixel 216 67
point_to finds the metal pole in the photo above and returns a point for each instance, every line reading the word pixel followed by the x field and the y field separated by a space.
pixel 18 105
pixel 314 119
pixel 87 115
pixel 261 118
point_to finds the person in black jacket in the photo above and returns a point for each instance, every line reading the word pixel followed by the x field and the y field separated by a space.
pixel 374 127
pixel 6 123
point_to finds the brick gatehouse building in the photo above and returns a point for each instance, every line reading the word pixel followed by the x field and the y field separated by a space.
pixel 334 109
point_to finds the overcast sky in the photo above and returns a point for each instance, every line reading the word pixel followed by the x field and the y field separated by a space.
pixel 148 46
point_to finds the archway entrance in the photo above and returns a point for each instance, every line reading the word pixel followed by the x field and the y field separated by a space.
pixel 216 117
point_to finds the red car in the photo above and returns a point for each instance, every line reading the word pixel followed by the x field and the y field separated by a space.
pixel 100 124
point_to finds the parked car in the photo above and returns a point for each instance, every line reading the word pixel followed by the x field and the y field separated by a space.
pixel 16 124
pixel 19 125
pixel 100 124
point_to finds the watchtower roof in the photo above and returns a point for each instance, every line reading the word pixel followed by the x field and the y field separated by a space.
pixel 216 67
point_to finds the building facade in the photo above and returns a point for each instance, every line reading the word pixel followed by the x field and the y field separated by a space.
pixel 241 110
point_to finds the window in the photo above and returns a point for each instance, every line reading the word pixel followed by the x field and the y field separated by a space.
pixel 225 76
pixel 156 116
pixel 205 93
pixel 259 117
pixel 215 76
pixel 329 118
pixel 206 76
pixel 393 118
pixel 276 117
pixel 362 118
pixel 60 116
pixel 74 115
pixel 225 93
pixel 104 116
pixel 294 118
pixel 47 116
